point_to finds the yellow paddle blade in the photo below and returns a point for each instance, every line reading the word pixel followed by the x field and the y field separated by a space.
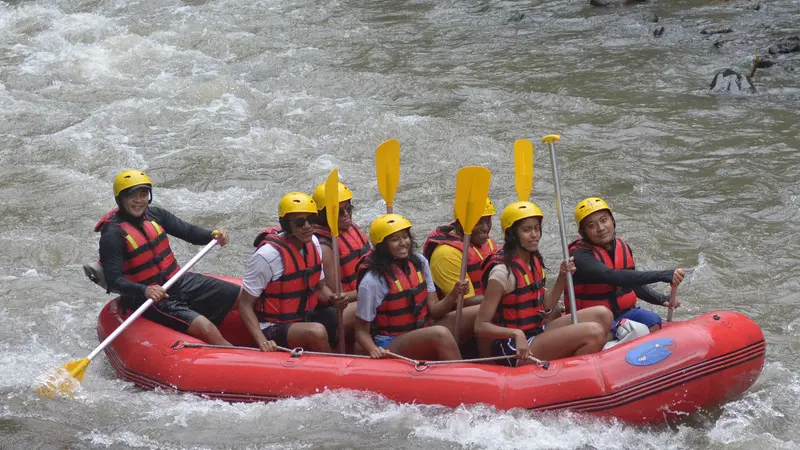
pixel 387 169
pixel 472 188
pixel 550 138
pixel 65 380
pixel 332 201
pixel 523 168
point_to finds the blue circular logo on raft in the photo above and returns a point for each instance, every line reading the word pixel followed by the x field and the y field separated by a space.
pixel 650 352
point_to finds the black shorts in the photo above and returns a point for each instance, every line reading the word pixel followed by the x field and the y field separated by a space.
pixel 508 348
pixel 197 295
pixel 327 317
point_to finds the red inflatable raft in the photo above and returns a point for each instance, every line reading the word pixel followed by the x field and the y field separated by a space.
pixel 698 363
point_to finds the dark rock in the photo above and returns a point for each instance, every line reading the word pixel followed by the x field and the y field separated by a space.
pixel 728 80
pixel 762 62
pixel 789 44
pixel 516 17
pixel 710 31
pixel 756 7
pixel 598 3
pixel 720 43
pixel 658 31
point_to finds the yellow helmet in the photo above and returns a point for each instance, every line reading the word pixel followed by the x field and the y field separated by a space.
pixel 295 202
pixel 319 194
pixel 518 211
pixel 385 225
pixel 488 210
pixel 130 178
pixel 588 206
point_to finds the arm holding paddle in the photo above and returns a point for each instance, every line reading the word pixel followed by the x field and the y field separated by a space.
pixel 438 308
pixel 553 295
pixel 328 263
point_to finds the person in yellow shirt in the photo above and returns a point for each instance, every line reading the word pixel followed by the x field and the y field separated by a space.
pixel 444 248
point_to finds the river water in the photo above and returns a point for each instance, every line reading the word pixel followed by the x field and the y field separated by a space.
pixel 230 104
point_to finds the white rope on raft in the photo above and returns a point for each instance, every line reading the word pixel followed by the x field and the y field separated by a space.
pixel 299 351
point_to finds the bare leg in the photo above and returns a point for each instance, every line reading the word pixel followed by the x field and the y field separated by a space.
pixel 467 325
pixel 309 335
pixel 597 314
pixel 203 329
pixel 349 322
pixel 434 342
pixel 572 340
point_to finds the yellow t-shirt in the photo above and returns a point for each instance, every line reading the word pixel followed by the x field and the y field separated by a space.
pixel 446 269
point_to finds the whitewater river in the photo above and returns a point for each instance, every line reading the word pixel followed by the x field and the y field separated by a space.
pixel 230 104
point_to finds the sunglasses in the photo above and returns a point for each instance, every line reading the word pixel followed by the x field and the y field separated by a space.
pixel 301 221
pixel 348 210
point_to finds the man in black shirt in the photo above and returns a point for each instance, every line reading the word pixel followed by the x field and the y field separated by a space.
pixel 137 261
pixel 605 271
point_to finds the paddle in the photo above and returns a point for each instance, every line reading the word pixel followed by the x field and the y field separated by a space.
pixel 387 168
pixel 523 168
pixel 673 295
pixel 332 213
pixel 68 377
pixel 472 189
pixel 549 139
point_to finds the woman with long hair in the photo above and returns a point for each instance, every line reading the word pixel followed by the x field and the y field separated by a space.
pixel 397 299
pixel 516 304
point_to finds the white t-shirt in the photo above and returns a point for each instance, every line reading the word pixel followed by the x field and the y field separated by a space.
pixel 265 266
pixel 373 289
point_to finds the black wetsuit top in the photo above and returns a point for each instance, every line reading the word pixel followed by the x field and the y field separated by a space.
pixel 112 246
pixel 590 270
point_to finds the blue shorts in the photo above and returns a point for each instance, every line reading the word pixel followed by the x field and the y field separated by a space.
pixel 637 314
pixel 383 341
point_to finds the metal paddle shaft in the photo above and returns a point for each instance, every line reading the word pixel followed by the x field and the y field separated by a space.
pixel 673 295
pixel 550 138
pixel 139 311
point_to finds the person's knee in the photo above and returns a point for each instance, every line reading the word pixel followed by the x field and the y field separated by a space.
pixel 603 316
pixel 202 326
pixel 595 334
pixel 441 334
pixel 317 334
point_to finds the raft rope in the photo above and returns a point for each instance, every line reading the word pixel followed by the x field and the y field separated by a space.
pixel 299 351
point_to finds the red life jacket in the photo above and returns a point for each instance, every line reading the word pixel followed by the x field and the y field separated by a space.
pixel 475 258
pixel 148 258
pixel 352 246
pixel 523 308
pixel 405 307
pixel 615 298
pixel 294 293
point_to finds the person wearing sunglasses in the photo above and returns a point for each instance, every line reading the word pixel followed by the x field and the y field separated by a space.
pixel 284 300
pixel 353 244
pixel 397 301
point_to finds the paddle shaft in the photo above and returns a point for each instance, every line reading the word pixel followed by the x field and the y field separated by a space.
pixel 672 296
pixel 460 299
pixel 563 232
pixel 149 301
pixel 338 282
